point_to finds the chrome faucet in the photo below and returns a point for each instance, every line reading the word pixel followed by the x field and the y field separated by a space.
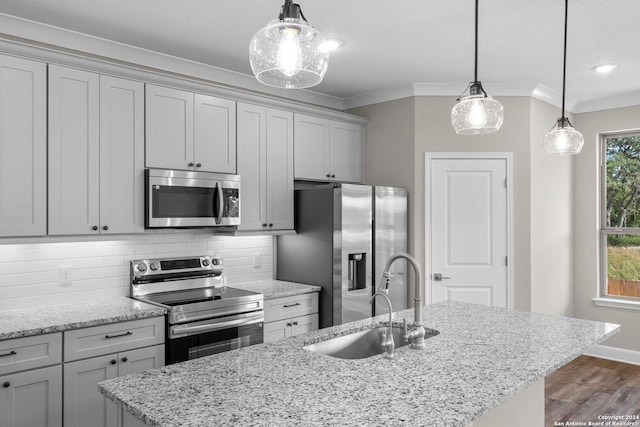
pixel 417 332
pixel 387 343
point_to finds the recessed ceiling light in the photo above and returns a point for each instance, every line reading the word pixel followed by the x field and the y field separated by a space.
pixel 606 68
pixel 331 44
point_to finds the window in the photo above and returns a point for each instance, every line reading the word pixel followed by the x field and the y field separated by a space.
pixel 620 216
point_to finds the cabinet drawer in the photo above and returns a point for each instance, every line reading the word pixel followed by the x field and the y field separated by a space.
pixel 288 307
pixel 112 338
pixel 30 352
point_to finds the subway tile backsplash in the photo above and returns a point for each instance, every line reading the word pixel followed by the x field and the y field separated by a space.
pixel 31 273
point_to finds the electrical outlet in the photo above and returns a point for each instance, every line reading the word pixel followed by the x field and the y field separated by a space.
pixel 257 260
pixel 64 275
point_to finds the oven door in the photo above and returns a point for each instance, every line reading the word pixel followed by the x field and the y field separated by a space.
pixel 197 339
pixel 191 199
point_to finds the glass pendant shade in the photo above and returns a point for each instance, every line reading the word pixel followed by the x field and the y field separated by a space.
pixel 477 114
pixel 563 139
pixel 287 54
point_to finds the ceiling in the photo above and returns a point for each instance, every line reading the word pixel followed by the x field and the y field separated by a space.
pixel 389 45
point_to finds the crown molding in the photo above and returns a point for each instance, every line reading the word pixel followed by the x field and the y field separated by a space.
pixel 18 30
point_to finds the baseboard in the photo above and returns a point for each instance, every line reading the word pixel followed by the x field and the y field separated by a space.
pixel 614 353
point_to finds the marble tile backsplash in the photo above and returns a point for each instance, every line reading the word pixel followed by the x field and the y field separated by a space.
pixel 31 273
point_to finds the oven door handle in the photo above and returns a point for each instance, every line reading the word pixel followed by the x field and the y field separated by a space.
pixel 186 330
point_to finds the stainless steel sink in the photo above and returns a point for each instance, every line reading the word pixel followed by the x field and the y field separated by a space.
pixel 358 345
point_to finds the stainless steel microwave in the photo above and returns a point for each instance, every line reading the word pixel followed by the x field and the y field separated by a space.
pixel 181 199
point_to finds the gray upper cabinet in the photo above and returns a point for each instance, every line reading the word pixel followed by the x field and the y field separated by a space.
pixel 23 147
pixel 265 163
pixel 188 131
pixel 96 146
pixel 327 150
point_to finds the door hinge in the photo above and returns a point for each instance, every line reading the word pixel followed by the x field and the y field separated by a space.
pixel 506 184
pixel 506 261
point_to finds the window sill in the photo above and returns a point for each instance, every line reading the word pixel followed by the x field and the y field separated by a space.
pixel 617 303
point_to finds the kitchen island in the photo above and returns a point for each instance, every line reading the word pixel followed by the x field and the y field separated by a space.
pixel 482 359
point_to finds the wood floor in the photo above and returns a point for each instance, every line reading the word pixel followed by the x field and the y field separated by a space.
pixel 589 387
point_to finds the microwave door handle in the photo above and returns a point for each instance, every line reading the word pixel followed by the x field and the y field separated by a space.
pixel 220 203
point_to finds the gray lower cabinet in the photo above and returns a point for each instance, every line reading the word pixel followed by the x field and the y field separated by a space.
pixel 84 405
pixel 100 353
pixel 289 316
pixel 31 381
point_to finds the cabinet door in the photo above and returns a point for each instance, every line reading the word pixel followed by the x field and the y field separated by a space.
pixel 84 405
pixel 74 157
pixel 301 325
pixel 121 156
pixel 214 134
pixel 141 359
pixel 23 147
pixel 311 140
pixel 273 331
pixel 279 161
pixel 252 146
pixel 169 128
pixel 32 398
pixel 346 151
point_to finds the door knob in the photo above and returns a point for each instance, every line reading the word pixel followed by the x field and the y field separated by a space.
pixel 438 277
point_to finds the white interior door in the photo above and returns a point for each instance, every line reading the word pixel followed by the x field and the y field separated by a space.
pixel 468 207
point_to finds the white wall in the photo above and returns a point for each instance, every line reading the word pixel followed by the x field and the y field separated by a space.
pixel 551 219
pixel 586 223
pixel 29 271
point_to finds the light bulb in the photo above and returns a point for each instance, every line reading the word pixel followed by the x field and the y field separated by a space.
pixel 289 53
pixel 477 116
pixel 563 139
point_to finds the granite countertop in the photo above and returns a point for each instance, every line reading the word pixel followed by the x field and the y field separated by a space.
pixel 482 357
pixel 272 289
pixel 45 320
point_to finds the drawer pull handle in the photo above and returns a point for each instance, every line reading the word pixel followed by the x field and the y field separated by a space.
pixel 6 384
pixel 291 305
pixel 11 353
pixel 120 335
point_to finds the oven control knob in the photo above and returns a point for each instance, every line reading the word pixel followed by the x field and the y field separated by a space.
pixel 142 267
pixel 205 262
pixel 154 265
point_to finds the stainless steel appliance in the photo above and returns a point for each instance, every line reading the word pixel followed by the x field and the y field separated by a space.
pixel 204 316
pixel 343 234
pixel 191 199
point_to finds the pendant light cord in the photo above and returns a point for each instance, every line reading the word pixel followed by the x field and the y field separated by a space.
pixel 564 65
pixel 475 72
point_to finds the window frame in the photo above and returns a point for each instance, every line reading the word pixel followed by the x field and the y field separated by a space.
pixel 604 299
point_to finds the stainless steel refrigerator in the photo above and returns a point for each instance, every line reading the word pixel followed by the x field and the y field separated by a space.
pixel 344 234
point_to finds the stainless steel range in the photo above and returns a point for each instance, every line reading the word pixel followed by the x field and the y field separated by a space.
pixel 204 316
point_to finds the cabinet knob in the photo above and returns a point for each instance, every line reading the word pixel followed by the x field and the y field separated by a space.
pixel 105 227
pixel 295 323
pixel 270 224
pixel 191 164
pixel 328 175
pixel 333 176
pixel 198 165
pixel 114 361
pixel 94 228
pixel 6 384
pixel 264 224
pixel 124 359
pixel 289 324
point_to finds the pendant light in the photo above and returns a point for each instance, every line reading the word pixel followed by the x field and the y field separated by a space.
pixel 476 113
pixel 563 138
pixel 288 52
